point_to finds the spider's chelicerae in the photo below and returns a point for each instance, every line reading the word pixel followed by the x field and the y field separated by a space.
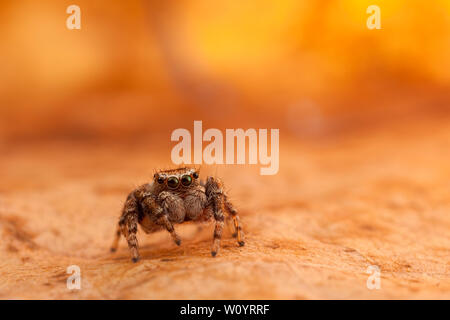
pixel 175 196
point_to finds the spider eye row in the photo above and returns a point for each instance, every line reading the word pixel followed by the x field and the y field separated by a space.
pixel 173 182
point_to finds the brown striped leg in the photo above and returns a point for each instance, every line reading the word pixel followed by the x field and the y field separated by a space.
pixel 129 230
pixel 237 225
pixel 215 195
pixel 219 218
pixel 164 221
pixel 128 226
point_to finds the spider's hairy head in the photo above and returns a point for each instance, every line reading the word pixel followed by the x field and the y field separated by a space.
pixel 177 178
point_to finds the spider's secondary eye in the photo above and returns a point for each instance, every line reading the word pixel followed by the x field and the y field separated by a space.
pixel 173 182
pixel 186 180
pixel 195 175
pixel 160 180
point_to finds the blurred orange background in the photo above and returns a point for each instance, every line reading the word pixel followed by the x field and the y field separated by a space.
pixel 140 68
pixel 87 115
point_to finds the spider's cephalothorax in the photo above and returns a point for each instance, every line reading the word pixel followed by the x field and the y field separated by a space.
pixel 175 196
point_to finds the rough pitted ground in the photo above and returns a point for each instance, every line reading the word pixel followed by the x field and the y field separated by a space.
pixel 335 208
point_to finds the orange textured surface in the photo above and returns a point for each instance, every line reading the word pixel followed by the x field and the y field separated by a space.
pixel 381 198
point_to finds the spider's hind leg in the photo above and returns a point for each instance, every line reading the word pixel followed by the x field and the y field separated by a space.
pixel 218 202
pixel 238 233
pixel 128 227
pixel 115 243
pixel 230 226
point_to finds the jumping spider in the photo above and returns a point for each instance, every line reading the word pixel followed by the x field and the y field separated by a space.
pixel 176 196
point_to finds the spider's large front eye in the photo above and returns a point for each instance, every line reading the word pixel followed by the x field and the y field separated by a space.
pixel 173 182
pixel 186 180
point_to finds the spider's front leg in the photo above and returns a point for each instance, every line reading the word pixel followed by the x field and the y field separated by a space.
pixel 218 203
